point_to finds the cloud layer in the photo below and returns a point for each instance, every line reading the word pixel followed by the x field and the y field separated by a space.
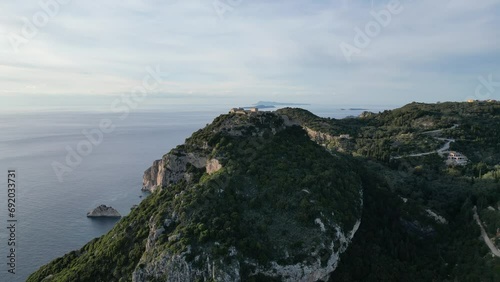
pixel 289 50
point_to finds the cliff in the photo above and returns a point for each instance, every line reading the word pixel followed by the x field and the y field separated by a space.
pixel 249 197
pixel 172 168
pixel 337 143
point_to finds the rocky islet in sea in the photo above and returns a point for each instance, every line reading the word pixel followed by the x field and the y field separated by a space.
pixel 103 211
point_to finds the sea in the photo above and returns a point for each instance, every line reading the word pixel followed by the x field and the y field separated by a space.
pixel 54 190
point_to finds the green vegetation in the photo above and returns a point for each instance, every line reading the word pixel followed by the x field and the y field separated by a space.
pixel 247 203
pixel 275 182
pixel 386 247
pixel 402 131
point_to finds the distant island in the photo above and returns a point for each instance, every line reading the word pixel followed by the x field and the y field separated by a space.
pixel 260 107
pixel 354 109
pixel 268 103
pixel 271 105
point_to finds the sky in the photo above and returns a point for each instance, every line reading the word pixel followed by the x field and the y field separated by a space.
pixel 347 52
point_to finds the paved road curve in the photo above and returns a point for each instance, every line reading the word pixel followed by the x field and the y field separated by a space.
pixel 441 151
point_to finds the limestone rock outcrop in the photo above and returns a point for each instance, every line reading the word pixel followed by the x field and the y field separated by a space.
pixel 171 169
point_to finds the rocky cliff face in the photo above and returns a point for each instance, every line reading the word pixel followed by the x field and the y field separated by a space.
pixel 158 263
pixel 173 167
pixel 320 261
pixel 320 137
pixel 337 143
pixel 166 266
pixel 177 268
pixel 316 269
pixel 213 166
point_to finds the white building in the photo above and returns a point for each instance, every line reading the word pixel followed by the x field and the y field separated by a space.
pixel 237 111
pixel 243 111
pixel 456 158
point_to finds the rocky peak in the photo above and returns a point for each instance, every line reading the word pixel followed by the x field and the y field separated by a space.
pixel 248 197
pixel 208 151
pixel 174 166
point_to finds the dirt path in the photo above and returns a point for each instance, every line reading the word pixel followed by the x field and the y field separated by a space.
pixel 487 239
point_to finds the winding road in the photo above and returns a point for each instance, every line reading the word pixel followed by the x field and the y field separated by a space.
pixel 441 151
pixel 487 239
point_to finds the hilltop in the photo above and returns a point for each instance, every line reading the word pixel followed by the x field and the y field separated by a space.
pixel 247 197
pixel 290 196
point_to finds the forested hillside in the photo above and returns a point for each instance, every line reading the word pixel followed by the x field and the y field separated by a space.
pixel 279 196
pixel 398 239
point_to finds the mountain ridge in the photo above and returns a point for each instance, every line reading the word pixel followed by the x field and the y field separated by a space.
pixel 245 217
pixel 291 166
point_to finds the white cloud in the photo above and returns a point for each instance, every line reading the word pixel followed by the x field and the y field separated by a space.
pixel 289 48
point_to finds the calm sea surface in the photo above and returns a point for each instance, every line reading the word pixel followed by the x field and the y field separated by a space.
pixel 52 214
